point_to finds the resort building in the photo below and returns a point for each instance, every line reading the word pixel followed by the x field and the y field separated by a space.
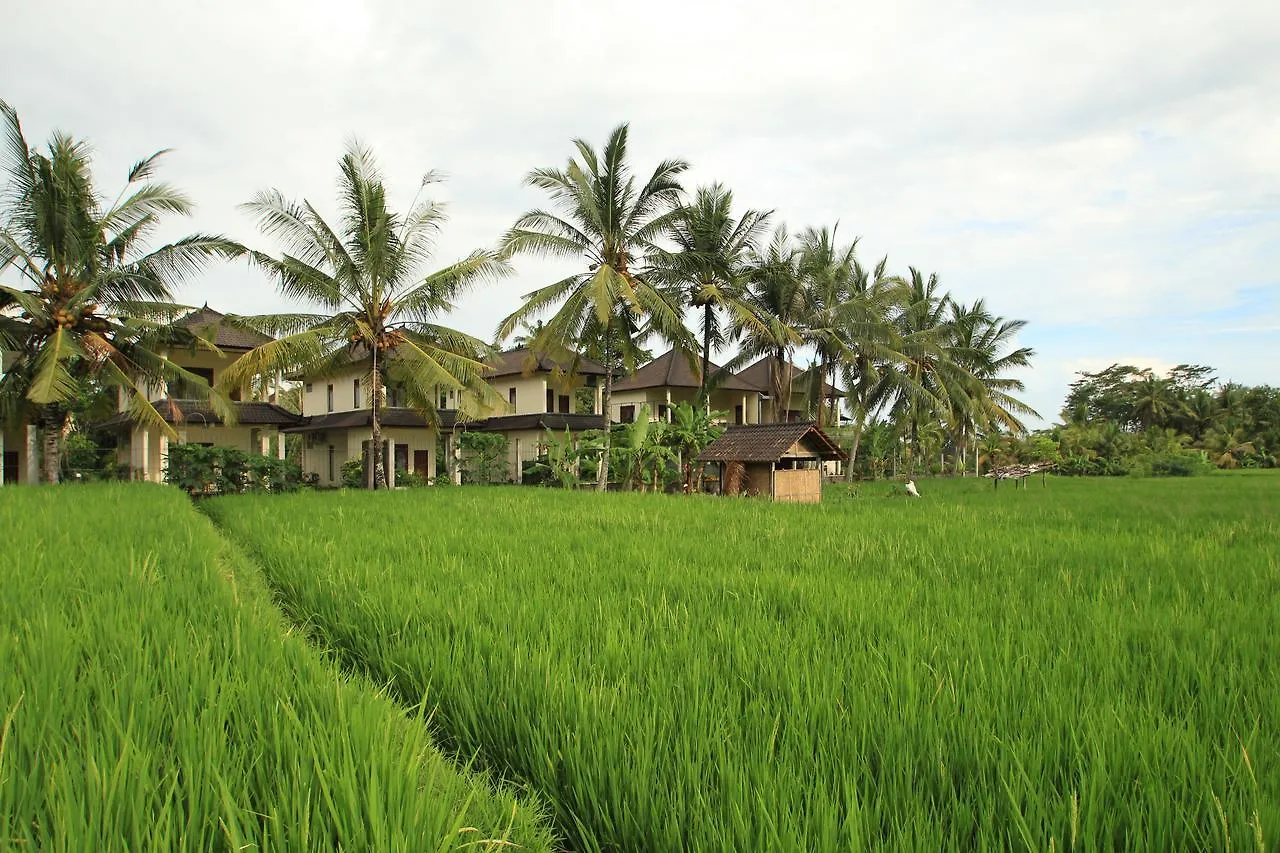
pixel 670 379
pixel 799 406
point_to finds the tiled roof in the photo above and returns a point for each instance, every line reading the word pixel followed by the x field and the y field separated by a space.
pixel 672 370
pixel 362 418
pixel 555 421
pixel 758 373
pixel 521 360
pixel 205 320
pixel 767 443
pixel 198 412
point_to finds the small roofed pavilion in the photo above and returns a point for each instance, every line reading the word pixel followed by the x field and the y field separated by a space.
pixel 782 461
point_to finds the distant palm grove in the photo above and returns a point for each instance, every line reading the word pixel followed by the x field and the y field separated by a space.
pixel 926 382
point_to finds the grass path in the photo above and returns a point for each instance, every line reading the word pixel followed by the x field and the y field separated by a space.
pixel 153 698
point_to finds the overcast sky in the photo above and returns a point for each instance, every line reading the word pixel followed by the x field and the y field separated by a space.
pixel 1109 172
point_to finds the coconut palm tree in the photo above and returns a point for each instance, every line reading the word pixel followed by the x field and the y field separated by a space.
pixel 871 341
pixel 89 302
pixel 775 295
pixel 827 270
pixel 979 341
pixel 602 217
pixel 710 265
pixel 378 308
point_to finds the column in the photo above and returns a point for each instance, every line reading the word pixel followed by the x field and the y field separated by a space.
pixel 668 418
pixel 1 455
pixel 164 453
pixel 279 444
pixel 33 454
pixel 144 442
pixel 599 399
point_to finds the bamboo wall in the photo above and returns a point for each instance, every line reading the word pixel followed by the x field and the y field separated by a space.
pixel 804 486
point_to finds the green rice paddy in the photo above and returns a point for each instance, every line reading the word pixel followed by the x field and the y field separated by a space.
pixel 1087 665
pixel 152 699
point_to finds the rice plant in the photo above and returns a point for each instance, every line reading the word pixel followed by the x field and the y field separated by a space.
pixel 151 699
pixel 1091 665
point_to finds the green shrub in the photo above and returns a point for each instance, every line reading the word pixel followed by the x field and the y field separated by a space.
pixel 200 469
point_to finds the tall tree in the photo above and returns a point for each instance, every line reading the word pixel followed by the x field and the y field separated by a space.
pixel 827 270
pixel 379 309
pixel 979 343
pixel 602 217
pixel 97 305
pixel 710 266
pixel 775 295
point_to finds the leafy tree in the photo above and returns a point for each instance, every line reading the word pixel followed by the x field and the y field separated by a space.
pixel 378 309
pixel 604 218
pixel 94 304
pixel 691 429
pixel 775 295
pixel 710 264
pixel 484 457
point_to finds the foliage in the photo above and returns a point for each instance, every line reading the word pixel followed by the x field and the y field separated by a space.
pixel 353 473
pixel 380 310
pixel 97 304
pixel 200 469
pixel 1076 667
pixel 152 698
pixel 484 457
pixel 605 220
pixel 691 429
pixel 1126 419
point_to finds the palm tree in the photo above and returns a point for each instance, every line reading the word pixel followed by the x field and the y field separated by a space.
pixel 97 306
pixel 927 383
pixel 710 266
pixel 604 218
pixel 1155 402
pixel 528 333
pixel 775 296
pixel 979 340
pixel 871 338
pixel 827 270
pixel 379 308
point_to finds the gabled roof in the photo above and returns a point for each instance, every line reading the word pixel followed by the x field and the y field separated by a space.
pixel 672 370
pixel 767 443
pixel 205 320
pixel 521 360
pixel 391 417
pixel 198 413
pixel 554 421
pixel 759 374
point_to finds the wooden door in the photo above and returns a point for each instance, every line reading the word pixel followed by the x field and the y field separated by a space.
pixel 421 459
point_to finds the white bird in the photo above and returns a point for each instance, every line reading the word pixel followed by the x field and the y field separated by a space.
pixel 911 489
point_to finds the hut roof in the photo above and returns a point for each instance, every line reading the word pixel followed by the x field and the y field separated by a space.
pixel 768 442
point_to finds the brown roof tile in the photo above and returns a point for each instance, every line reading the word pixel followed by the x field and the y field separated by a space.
pixel 206 320
pixel 521 360
pixel 767 443
pixel 672 370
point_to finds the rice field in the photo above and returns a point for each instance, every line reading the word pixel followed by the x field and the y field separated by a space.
pixel 1087 665
pixel 151 699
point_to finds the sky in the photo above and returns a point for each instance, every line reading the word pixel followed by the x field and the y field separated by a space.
pixel 1108 172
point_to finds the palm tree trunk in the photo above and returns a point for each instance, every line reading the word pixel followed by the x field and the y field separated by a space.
pixel 53 422
pixel 379 469
pixel 779 407
pixel 602 472
pixel 707 319
pixel 858 426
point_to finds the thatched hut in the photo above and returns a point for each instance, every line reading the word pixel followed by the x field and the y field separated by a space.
pixel 783 461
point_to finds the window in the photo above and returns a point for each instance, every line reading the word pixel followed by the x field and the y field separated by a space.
pixel 551 401
pixel 737 414
pixel 181 389
pixel 662 411
pixel 329 398
pixel 308 388
pixel 628 414
pixel 511 397
pixel 392 396
pixel 564 404
pixel 444 401
pixel 355 393
pixel 331 463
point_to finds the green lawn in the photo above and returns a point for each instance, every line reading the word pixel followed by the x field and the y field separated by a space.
pixel 150 699
pixel 1087 665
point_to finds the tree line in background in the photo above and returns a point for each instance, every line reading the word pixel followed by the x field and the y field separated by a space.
pixel 927 378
